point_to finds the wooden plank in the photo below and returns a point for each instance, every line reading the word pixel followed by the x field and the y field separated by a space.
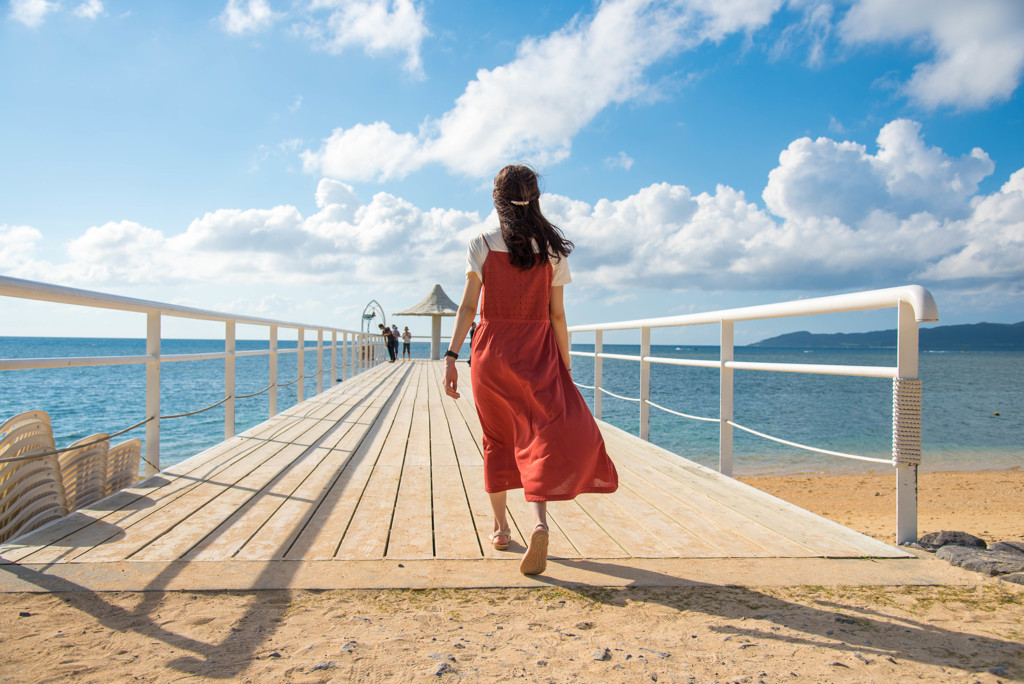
pixel 411 535
pixel 467 449
pixel 206 521
pixel 273 538
pixel 251 474
pixel 68 538
pixel 586 538
pixel 704 518
pixel 627 530
pixel 818 535
pixel 325 529
pixel 455 530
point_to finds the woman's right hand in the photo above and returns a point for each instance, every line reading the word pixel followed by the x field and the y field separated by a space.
pixel 451 378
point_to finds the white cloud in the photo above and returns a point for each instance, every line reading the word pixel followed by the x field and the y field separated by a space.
pixel 824 178
pixel 533 106
pixel 32 13
pixel 835 218
pixel 89 9
pixel 978 46
pixel 17 251
pixel 247 16
pixel 377 26
pixel 994 248
pixel 619 161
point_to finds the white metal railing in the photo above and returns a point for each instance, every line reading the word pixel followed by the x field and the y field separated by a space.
pixel 914 304
pixel 359 351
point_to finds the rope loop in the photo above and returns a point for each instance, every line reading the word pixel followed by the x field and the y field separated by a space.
pixel 906 422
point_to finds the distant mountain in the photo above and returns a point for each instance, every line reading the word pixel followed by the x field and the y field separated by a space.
pixel 973 336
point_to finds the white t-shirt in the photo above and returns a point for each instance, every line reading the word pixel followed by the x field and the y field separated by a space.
pixel 478 252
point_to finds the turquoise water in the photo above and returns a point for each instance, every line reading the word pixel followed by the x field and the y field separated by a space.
pixel 962 394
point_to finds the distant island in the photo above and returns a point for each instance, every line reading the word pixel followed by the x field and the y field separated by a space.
pixel 972 336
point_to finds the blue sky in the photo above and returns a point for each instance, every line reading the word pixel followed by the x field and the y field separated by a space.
pixel 295 158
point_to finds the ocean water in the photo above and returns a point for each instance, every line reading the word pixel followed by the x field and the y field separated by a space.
pixel 963 393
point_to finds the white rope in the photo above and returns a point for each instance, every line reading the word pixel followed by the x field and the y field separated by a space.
pixel 809 448
pixel 618 396
pixel 683 415
pixel 580 384
pixel 906 422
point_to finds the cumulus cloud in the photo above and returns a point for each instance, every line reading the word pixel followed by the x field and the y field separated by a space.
pixel 247 16
pixel 32 13
pixel 533 106
pixel 829 179
pixel 978 46
pixel 89 9
pixel 376 26
pixel 908 212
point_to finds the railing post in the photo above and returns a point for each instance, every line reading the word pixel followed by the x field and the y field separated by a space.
pixel 229 379
pixel 906 424
pixel 153 393
pixel 725 411
pixel 344 356
pixel 645 384
pixel 319 361
pixel 300 386
pixel 598 373
pixel 334 357
pixel 273 371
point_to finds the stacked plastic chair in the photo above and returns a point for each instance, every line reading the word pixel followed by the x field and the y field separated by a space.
pixel 31 490
pixel 83 468
pixel 123 465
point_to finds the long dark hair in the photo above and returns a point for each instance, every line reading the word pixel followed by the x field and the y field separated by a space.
pixel 516 199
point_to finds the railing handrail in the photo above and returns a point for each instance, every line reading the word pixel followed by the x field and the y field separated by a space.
pixel 921 301
pixel 358 351
pixel 914 305
pixel 61 294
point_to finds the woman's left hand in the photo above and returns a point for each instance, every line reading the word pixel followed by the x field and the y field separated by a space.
pixel 451 379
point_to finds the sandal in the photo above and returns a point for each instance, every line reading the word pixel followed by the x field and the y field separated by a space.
pixel 500 539
pixel 535 560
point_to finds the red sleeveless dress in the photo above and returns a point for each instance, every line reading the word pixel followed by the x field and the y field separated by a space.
pixel 539 434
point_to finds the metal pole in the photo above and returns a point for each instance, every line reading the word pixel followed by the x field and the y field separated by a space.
pixel 301 384
pixel 229 379
pixel 319 361
pixel 906 426
pixel 645 384
pixel 273 371
pixel 334 357
pixel 435 337
pixel 725 411
pixel 598 373
pixel 153 393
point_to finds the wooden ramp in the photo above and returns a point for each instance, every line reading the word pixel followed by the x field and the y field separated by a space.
pixel 379 482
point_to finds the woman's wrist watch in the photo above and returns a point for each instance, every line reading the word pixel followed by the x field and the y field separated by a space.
pixel 451 354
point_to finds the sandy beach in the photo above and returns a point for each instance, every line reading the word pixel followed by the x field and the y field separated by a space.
pixel 971 633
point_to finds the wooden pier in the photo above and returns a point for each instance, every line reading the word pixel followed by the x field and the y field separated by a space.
pixel 378 482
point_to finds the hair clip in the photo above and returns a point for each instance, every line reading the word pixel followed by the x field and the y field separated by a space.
pixel 520 203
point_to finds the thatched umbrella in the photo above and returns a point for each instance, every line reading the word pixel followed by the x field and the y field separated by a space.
pixel 436 304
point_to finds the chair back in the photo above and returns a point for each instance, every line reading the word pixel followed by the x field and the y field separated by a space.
pixel 31 491
pixel 123 465
pixel 83 468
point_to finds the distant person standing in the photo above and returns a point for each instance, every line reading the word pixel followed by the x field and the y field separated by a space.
pixel 389 340
pixel 396 339
pixel 407 344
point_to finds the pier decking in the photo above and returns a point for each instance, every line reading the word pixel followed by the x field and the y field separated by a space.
pixel 378 482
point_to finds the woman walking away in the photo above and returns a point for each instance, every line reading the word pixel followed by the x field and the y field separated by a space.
pixel 538 433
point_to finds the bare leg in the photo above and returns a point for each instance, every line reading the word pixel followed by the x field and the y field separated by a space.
pixel 539 510
pixel 535 560
pixel 498 506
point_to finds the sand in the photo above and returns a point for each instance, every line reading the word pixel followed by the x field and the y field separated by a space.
pixel 688 634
